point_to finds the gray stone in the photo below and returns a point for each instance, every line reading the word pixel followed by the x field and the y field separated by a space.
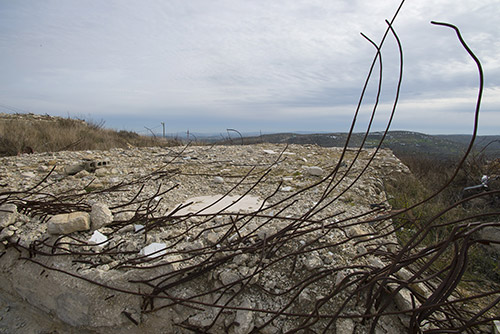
pixel 8 214
pixel 345 326
pixel 73 169
pixel 228 277
pixel 6 233
pixel 68 223
pixel 313 261
pixel 244 322
pixel 404 300
pixel 100 216
pixel 212 237
pixel 124 216
pixel 314 171
pixel 28 175
pixel 73 308
pixel 200 320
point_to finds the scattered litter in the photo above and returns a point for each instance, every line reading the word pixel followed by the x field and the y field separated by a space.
pixel 138 228
pixel 154 250
pixel 269 152
pixel 98 239
pixel 218 179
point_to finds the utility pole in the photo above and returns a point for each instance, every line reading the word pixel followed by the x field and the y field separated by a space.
pixel 163 123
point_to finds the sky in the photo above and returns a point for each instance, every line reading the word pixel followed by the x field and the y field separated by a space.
pixel 260 65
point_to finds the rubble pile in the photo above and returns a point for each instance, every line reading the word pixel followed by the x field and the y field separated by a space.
pixel 240 239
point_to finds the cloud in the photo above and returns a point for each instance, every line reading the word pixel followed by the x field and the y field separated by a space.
pixel 238 60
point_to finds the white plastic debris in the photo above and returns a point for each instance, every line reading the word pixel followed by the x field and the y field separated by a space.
pixel 154 250
pixel 138 228
pixel 269 151
pixel 286 189
pixel 218 179
pixel 99 239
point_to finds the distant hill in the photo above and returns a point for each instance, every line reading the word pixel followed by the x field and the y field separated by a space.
pixel 400 142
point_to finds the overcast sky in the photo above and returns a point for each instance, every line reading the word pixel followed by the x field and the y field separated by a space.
pixel 274 66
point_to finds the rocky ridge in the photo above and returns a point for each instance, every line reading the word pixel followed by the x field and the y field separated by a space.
pixel 118 241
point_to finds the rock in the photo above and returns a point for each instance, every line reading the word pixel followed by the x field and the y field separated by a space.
pixel 212 237
pixel 73 169
pixel 404 300
pixel 6 233
pixel 101 172
pixel 8 214
pixel 28 175
pixel 124 216
pixel 67 223
pixel 200 320
pixel 313 261
pixel 244 321
pixel 81 174
pixel 100 216
pixel 314 171
pixel 345 325
pixel 305 297
pixel 228 277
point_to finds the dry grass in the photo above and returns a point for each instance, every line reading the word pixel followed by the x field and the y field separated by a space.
pixel 18 135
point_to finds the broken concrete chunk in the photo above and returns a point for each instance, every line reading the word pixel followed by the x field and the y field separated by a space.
pixel 313 261
pixel 244 322
pixel 8 214
pixel 73 169
pixel 345 325
pixel 228 277
pixel 200 320
pixel 6 233
pixel 67 223
pixel 216 203
pixel 100 216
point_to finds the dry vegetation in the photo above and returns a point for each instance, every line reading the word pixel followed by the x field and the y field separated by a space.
pixel 21 133
pixel 429 174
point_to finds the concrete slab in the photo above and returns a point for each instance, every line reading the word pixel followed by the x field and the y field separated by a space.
pixel 214 204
